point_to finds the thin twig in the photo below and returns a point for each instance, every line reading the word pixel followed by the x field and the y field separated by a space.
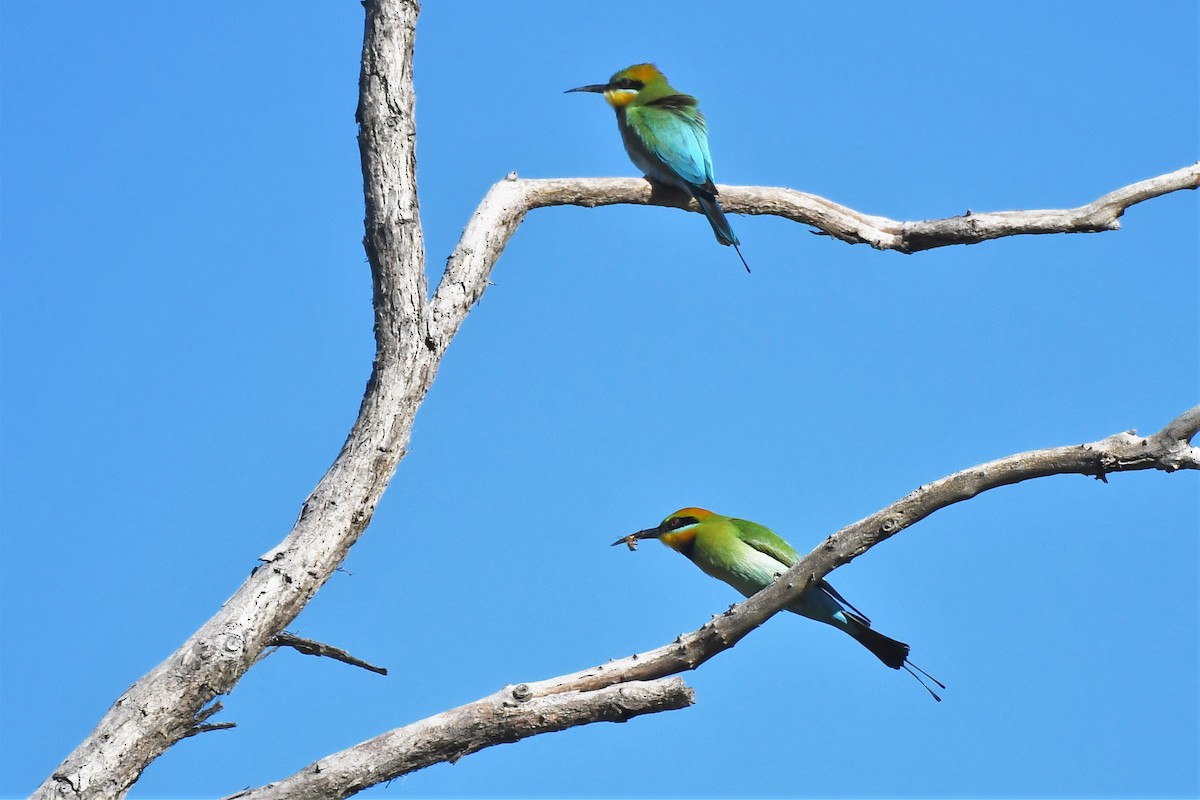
pixel 200 726
pixel 313 648
pixel 214 726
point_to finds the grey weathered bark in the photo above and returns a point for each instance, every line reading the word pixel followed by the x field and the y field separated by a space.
pixel 176 698
pixel 163 707
pixel 381 759
pixel 312 648
pixel 509 200
pixel 512 714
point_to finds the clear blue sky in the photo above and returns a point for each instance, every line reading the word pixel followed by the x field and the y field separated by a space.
pixel 187 334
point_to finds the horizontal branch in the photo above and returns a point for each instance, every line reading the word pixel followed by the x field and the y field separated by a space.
pixel 501 211
pixel 855 227
pixel 507 716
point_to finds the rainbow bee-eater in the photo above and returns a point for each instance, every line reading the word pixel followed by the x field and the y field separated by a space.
pixel 666 137
pixel 749 557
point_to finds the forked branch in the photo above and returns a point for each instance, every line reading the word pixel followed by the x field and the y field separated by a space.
pixel 412 332
pixel 585 697
pixel 163 706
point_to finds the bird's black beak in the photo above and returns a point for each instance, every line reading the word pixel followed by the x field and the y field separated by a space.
pixel 649 533
pixel 599 88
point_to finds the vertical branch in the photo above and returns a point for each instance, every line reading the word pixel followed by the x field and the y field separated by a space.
pixel 387 143
pixel 169 703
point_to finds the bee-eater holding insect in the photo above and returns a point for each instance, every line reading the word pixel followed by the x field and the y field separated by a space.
pixel 666 137
pixel 749 557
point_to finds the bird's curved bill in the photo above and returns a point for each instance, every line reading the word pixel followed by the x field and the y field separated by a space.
pixel 649 533
pixel 595 87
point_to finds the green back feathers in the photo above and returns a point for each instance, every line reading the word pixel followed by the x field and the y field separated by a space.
pixel 765 540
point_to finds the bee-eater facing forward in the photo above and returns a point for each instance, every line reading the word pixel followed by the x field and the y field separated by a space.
pixel 749 557
pixel 666 138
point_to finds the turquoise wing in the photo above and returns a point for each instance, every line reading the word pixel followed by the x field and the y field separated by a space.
pixel 675 136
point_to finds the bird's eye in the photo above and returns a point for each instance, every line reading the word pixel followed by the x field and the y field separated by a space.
pixel 628 83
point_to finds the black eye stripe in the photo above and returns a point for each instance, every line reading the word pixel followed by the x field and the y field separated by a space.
pixel 674 523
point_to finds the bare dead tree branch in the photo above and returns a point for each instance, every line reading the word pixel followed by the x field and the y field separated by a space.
pixel 313 648
pixel 412 333
pixel 159 710
pixel 409 748
pixel 1181 429
pixel 500 212
pixel 1168 450
pixel 881 233
pixel 509 715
